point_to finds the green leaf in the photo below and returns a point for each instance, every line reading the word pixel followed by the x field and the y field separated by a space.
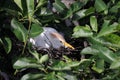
pixel 66 76
pixel 115 8
pixel 22 5
pixel 107 29
pixel 59 6
pixel 35 54
pixel 115 64
pixel 93 23
pixel 106 41
pixel 41 3
pixel 32 76
pixel 44 58
pixel 60 65
pixel 50 76
pixel 19 30
pixel 80 31
pixel 73 8
pixel 113 39
pixel 100 5
pixel 89 50
pixel 83 13
pixel 19 3
pixel 106 54
pixel 36 29
pixel 98 66
pixel 26 63
pixel 7 44
pixel 30 8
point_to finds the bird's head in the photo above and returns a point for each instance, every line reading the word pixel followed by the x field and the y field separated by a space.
pixel 62 40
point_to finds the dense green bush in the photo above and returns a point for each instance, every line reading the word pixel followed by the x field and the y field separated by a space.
pixel 94 28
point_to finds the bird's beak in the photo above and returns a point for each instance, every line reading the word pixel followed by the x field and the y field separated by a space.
pixel 68 45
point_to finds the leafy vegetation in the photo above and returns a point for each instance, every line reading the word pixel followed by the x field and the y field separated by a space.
pixel 91 26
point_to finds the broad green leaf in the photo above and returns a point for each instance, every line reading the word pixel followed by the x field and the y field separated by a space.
pixel 106 54
pixel 26 63
pixel 35 54
pixel 100 5
pixel 66 76
pixel 7 44
pixel 19 3
pixel 107 29
pixel 30 8
pixel 93 23
pixel 81 31
pixel 83 13
pixel 106 41
pixel 60 65
pixel 73 8
pixel 76 6
pixel 19 30
pixel 32 76
pixel 41 3
pixel 115 64
pixel 98 66
pixel 84 63
pixel 44 58
pixel 22 5
pixel 115 8
pixel 113 39
pixel 50 76
pixel 89 50
pixel 59 6
pixel 36 29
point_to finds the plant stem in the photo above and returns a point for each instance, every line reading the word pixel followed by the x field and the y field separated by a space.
pixel 29 26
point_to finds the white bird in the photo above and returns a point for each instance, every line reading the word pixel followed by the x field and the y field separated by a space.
pixel 50 38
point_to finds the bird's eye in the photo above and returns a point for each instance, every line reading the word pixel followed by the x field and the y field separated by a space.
pixel 60 41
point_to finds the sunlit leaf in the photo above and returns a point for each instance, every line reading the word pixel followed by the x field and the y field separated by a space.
pixel 67 76
pixel 44 58
pixel 30 8
pixel 113 39
pixel 41 3
pixel 35 54
pixel 59 6
pixel 98 66
pixel 26 63
pixel 83 13
pixel 100 5
pixel 73 8
pixel 32 76
pixel 36 29
pixel 81 31
pixel 93 23
pixel 19 30
pixel 60 65
pixel 107 29
pixel 90 50
pixel 106 41
pixel 22 5
pixel 50 76
pixel 115 64
pixel 106 54
pixel 19 3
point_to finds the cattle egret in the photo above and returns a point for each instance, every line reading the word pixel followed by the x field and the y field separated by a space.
pixel 50 38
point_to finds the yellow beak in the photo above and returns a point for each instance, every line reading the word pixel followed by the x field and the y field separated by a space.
pixel 68 45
